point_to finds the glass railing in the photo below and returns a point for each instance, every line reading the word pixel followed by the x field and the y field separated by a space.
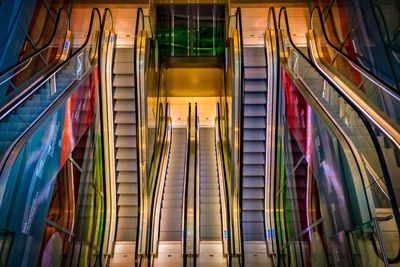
pixel 22 115
pixel 191 29
pixel 368 150
pixel 367 32
pixel 25 75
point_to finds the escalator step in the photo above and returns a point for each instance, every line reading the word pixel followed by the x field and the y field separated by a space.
pixel 253 193
pixel 255 205
pixel 254 134
pixel 125 130
pixel 255 86
pixel 126 165
pixel 127 211
pixel 127 177
pixel 252 216
pixel 9 136
pixel 255 98
pixel 124 105
pixel 126 234
pixel 126 141
pixel 253 170
pixel 254 110
pixel 254 123
pixel 254 158
pixel 127 188
pixel 125 118
pixel 124 80
pixel 123 68
pixel 254 182
pixel 124 93
pixel 128 199
pixel 124 55
pixel 255 73
pixel 211 232
pixel 253 146
pixel 126 153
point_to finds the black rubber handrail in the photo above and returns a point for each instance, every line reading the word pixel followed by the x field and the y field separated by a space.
pixel 107 16
pixel 222 159
pixel 18 143
pixel 45 46
pixel 153 199
pixel 380 82
pixel 186 184
pixel 368 125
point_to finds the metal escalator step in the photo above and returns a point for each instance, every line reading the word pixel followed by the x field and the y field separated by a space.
pixel 172 203
pixel 255 98
pixel 209 186
pixel 127 188
pixel 210 218
pixel 127 177
pixel 210 208
pixel 128 199
pixel 125 118
pixel 256 205
pixel 175 189
pixel 254 134
pixel 252 216
pixel 255 73
pixel 254 158
pixel 254 146
pixel 126 234
pixel 255 86
pixel 124 105
pixel 170 224
pixel 127 223
pixel 126 153
pixel 30 110
pixel 124 93
pixel 254 51
pixel 209 199
pixel 123 68
pixel 171 236
pixel 255 61
pixel 124 55
pixel 253 170
pixel 126 141
pixel 170 196
pixel 253 193
pixel 127 211
pixel 174 182
pixel 125 130
pixel 124 80
pixel 253 227
pixel 255 182
pixel 13 126
pixel 210 231
pixel 126 165
pixel 255 110
pixel 254 123
pixel 171 213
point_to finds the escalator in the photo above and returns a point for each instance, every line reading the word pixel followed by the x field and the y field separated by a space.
pixel 330 162
pixel 52 191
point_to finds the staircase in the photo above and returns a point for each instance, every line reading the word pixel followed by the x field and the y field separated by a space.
pixel 126 155
pixel 255 99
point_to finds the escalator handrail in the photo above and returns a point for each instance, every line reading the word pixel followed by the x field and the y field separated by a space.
pixel 186 182
pixel 29 58
pixel 158 175
pixel 25 135
pixel 360 113
pixel 225 182
pixel 383 85
pixel 196 200
pixel 239 27
pixel 274 27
